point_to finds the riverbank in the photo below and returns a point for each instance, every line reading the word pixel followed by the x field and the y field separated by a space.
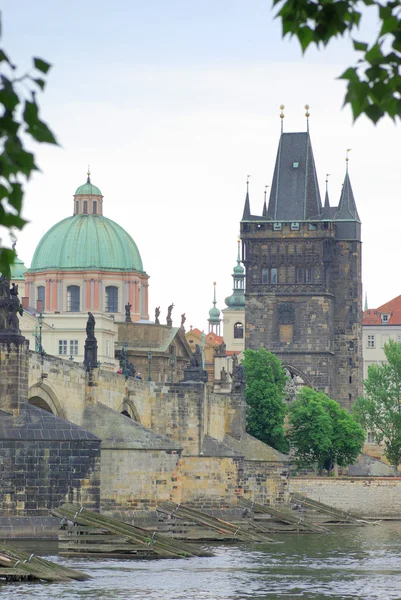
pixel 370 497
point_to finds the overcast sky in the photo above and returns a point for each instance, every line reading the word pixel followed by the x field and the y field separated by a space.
pixel 172 104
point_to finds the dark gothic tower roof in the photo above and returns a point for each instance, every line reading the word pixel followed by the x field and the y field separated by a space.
pixel 347 210
pixel 295 192
pixel 247 206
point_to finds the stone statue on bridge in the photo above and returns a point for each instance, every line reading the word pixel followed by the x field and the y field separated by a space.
pixel 10 307
pixel 90 352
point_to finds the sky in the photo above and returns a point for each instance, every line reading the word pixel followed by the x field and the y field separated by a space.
pixel 173 104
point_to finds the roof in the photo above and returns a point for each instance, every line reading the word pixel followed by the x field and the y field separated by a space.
pixel 86 242
pixel 210 338
pixel 347 210
pixel 372 316
pixel 88 189
pixel 17 270
pixel 294 194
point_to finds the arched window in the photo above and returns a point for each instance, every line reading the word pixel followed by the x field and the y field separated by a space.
pixel 238 331
pixel 76 207
pixel 40 290
pixel 111 298
pixel 85 207
pixel 94 207
pixel 73 298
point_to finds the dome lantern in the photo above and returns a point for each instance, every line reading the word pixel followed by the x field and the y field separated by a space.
pixel 88 199
pixel 214 315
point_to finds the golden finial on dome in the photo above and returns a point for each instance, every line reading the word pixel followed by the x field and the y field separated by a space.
pixel 214 283
pixel 282 107
pixel 307 114
pixel 89 175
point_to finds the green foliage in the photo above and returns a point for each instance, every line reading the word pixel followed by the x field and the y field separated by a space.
pixel 322 433
pixel 266 409
pixel 379 409
pixel 19 117
pixel 374 83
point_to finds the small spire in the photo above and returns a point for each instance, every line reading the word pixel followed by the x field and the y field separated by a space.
pixel 347 158
pixel 89 175
pixel 307 115
pixel 264 212
pixel 239 254
pixel 214 294
pixel 327 181
pixel 282 107
pixel 247 207
pixel 366 301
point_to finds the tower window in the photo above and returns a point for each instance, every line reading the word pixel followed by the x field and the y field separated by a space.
pixel 238 331
pixel 276 226
pixel 76 207
pixel 273 276
pixel 94 207
pixel 265 275
pixel 73 298
pixel 294 226
pixel 300 275
pixel 85 207
pixel 112 299
pixel 308 275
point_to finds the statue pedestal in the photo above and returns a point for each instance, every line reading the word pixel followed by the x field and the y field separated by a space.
pixel 90 356
pixel 195 375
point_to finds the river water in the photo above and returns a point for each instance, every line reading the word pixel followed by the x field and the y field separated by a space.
pixel 363 562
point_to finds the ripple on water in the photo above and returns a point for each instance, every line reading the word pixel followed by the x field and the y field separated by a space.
pixel 363 563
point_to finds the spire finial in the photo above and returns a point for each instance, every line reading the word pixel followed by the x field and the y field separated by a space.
pixel 307 115
pixel 89 175
pixel 282 107
pixel 238 255
pixel 247 183
pixel 214 294
pixel 347 158
pixel 327 181
pixel 266 188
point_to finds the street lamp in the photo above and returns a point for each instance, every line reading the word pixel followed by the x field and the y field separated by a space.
pixel 40 321
pixel 149 365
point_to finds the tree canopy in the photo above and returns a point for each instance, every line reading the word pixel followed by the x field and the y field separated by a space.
pixel 379 410
pixel 265 380
pixel 19 121
pixel 322 433
pixel 374 82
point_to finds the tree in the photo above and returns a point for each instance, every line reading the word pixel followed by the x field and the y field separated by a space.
pixel 374 83
pixel 19 118
pixel 265 380
pixel 322 433
pixel 379 410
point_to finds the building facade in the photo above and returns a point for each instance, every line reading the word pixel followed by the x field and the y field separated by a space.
pixel 379 326
pixel 303 275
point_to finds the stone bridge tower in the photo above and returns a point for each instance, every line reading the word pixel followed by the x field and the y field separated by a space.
pixel 303 275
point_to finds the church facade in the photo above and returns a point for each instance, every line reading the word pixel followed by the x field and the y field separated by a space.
pixel 303 275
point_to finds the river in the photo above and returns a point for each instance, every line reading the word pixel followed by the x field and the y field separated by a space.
pixel 363 562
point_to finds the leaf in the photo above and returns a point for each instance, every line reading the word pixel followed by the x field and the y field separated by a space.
pixel 41 65
pixel 360 46
pixel 41 83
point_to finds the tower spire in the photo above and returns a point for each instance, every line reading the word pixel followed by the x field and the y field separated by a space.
pixel 247 206
pixel 307 115
pixel 282 107
pixel 214 315
pixel 264 212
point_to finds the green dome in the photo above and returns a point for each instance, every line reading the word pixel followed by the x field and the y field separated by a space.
pixel 236 300
pixel 18 269
pixel 239 269
pixel 88 188
pixel 86 242
pixel 214 314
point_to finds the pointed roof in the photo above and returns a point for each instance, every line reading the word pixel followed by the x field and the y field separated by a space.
pixel 347 210
pixel 264 211
pixel 295 192
pixel 247 206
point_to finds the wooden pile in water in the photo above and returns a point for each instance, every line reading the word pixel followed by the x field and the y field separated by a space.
pixel 92 533
pixel 16 565
pixel 325 513
pixel 279 519
pixel 211 528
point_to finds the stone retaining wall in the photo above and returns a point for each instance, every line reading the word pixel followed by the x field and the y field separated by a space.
pixel 378 497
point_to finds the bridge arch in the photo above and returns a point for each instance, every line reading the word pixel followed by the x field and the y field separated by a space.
pixel 128 409
pixel 42 396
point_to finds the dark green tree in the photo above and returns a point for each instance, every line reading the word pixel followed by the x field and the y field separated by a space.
pixel 19 121
pixel 379 410
pixel 322 433
pixel 265 380
pixel 374 82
